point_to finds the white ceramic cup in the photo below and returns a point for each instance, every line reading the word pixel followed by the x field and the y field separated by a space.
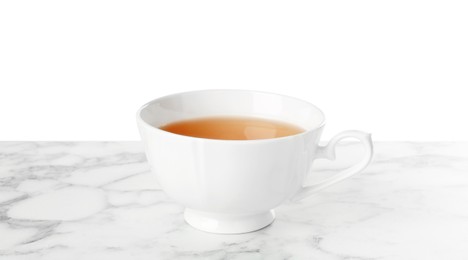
pixel 232 186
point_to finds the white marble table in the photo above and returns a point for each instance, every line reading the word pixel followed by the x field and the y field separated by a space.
pixel 97 200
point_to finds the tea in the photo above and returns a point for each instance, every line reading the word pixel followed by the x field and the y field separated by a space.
pixel 232 128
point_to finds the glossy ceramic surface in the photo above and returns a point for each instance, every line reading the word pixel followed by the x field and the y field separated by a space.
pixel 233 186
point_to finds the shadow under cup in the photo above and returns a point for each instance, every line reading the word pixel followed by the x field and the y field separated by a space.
pixel 229 186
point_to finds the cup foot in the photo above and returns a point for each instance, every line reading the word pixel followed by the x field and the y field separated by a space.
pixel 227 223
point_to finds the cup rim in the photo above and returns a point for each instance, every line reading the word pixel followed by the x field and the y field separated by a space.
pixel 158 130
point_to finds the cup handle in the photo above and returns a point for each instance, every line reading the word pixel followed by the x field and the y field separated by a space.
pixel 328 152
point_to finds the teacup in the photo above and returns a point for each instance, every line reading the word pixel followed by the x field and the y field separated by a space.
pixel 233 186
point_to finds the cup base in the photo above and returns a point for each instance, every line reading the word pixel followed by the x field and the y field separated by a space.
pixel 227 223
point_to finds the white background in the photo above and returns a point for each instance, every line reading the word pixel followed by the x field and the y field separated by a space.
pixel 79 70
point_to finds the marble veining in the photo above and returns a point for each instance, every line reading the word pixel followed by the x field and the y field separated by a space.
pixel 98 200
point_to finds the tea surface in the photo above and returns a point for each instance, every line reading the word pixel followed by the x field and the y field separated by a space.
pixel 232 128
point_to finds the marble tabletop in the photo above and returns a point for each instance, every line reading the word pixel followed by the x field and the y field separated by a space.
pixel 98 200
